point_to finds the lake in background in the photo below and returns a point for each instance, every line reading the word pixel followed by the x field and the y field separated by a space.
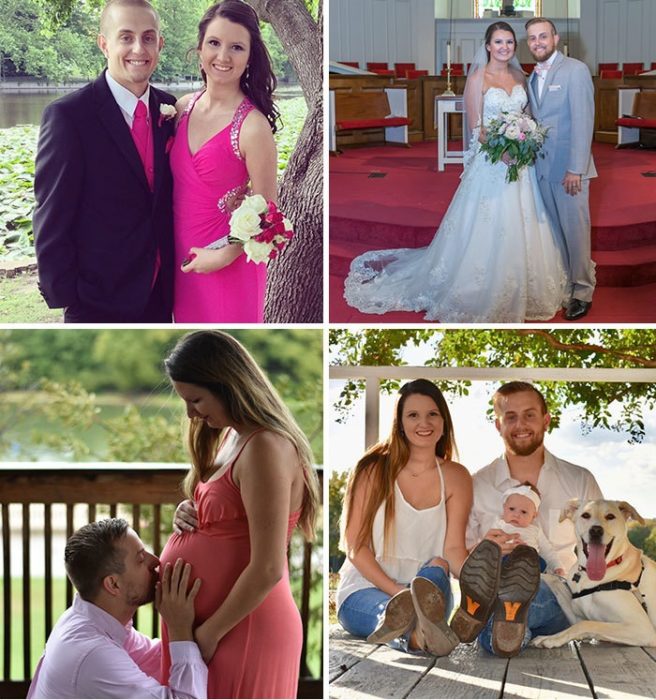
pixel 26 108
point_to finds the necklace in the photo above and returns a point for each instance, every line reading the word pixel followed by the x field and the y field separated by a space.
pixel 419 473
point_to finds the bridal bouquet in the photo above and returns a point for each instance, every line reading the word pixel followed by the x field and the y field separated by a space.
pixel 518 135
pixel 260 227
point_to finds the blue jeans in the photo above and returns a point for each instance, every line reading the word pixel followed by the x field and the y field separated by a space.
pixel 360 612
pixel 545 616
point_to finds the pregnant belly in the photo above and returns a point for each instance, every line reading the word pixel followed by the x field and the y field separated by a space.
pixel 216 561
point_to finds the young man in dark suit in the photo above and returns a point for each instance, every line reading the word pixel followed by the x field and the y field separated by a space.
pixel 103 220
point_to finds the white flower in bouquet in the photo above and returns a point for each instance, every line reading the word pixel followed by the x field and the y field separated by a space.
pixel 512 131
pixel 244 223
pixel 257 252
pixel 256 203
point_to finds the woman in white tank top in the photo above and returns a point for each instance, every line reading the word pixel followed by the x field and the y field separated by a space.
pixel 403 529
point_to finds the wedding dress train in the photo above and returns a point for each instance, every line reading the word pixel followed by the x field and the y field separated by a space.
pixel 494 258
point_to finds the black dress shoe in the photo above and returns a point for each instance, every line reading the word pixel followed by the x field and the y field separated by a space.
pixel 577 309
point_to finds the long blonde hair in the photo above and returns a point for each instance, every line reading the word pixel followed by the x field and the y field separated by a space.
pixel 216 361
pixel 382 463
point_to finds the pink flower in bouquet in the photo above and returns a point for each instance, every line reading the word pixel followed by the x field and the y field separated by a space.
pixel 260 227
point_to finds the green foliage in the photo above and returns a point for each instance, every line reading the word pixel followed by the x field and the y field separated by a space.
pixel 56 39
pixel 57 372
pixel 581 347
pixel 336 493
pixel 18 150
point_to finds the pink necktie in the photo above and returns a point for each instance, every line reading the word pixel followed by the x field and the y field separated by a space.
pixel 542 70
pixel 143 141
pixel 141 136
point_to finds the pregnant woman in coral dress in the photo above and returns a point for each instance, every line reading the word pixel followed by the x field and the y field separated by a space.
pixel 224 140
pixel 252 483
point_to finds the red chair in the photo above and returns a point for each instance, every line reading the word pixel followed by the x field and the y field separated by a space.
pixel 528 68
pixel 353 64
pixel 633 68
pixel 608 66
pixel 411 74
pixel 374 67
pixel 401 68
pixel 456 69
pixel 611 75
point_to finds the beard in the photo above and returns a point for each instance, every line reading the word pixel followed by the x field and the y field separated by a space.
pixel 138 597
pixel 525 448
pixel 546 56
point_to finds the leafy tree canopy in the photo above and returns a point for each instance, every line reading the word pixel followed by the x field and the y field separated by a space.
pixel 56 39
pixel 582 347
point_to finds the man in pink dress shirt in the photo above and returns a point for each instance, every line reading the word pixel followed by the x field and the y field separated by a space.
pixel 93 650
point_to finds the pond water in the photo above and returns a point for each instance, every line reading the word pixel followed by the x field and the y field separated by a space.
pixel 26 108
pixel 18 429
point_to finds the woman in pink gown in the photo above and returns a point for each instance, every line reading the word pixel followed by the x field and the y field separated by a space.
pixel 224 140
pixel 252 483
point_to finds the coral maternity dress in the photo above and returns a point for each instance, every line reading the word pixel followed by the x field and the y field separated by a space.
pixel 260 656
pixel 202 182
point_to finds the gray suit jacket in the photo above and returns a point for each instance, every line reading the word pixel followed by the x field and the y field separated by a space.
pixel 567 108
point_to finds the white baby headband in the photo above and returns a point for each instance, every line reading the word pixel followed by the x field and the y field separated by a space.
pixel 523 491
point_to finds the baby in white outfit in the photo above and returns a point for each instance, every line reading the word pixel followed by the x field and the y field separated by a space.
pixel 520 509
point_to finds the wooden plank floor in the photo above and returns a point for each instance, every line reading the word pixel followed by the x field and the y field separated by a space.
pixel 580 670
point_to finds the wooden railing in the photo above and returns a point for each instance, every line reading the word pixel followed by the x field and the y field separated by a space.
pixel 132 490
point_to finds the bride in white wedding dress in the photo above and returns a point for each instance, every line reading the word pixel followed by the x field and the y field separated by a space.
pixel 495 257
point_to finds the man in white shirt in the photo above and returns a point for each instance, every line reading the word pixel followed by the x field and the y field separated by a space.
pixel 522 419
pixel 93 650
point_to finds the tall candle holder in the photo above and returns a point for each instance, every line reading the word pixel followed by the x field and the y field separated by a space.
pixel 449 91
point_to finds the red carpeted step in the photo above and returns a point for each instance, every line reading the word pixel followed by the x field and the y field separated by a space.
pixel 625 268
pixel 619 237
pixel 380 234
pixel 394 235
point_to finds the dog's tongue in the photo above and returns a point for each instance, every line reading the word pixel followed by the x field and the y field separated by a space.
pixel 596 566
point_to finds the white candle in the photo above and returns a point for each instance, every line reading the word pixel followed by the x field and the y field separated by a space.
pixel 448 54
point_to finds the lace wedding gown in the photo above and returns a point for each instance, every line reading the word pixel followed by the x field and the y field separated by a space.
pixel 494 258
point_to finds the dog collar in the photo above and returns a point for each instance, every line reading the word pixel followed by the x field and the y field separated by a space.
pixel 611 586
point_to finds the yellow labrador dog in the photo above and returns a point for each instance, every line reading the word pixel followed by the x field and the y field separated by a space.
pixel 610 594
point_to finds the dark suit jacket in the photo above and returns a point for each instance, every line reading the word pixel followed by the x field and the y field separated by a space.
pixel 97 225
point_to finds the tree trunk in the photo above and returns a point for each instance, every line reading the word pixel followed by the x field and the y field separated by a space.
pixel 295 284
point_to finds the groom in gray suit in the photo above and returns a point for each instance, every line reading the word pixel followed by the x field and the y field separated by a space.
pixel 562 99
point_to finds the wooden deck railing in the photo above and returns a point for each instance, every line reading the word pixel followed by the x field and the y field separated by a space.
pixel 139 490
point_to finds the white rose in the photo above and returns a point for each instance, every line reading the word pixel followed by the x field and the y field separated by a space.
pixel 244 223
pixel 287 224
pixel 512 132
pixel 257 252
pixel 256 203
pixel 167 111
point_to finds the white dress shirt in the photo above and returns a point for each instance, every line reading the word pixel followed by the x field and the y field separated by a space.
pixel 90 654
pixel 125 99
pixel 557 483
pixel 541 79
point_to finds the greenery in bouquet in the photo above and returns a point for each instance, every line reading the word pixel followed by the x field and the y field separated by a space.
pixel 517 135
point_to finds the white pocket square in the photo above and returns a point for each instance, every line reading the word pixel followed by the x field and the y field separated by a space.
pixel 553 88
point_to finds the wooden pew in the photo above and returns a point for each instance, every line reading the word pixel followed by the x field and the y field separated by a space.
pixel 370 110
pixel 638 124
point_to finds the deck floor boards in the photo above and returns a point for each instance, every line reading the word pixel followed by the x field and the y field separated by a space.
pixel 579 670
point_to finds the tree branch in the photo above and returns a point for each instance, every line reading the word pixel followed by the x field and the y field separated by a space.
pixel 588 347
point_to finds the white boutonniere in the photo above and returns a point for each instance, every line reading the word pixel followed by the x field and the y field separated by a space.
pixel 166 112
